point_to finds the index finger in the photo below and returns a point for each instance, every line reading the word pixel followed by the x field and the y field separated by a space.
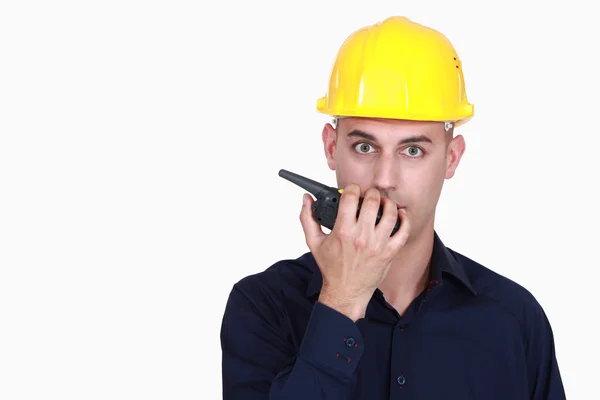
pixel 346 215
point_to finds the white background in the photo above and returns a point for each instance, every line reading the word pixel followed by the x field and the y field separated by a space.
pixel 139 150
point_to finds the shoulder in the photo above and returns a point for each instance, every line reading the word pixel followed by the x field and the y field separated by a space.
pixel 503 293
pixel 269 292
pixel 283 275
pixel 533 337
pixel 267 299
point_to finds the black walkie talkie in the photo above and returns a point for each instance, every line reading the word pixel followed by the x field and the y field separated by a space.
pixel 326 205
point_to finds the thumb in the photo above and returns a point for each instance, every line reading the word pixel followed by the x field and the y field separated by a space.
pixel 313 233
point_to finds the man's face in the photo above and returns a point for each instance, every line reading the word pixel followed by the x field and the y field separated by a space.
pixel 407 161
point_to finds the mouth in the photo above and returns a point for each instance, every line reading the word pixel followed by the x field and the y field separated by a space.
pixel 399 205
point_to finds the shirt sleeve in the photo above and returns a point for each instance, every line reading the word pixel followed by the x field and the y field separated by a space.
pixel 259 363
pixel 545 381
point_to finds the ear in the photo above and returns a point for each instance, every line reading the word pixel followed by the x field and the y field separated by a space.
pixel 456 149
pixel 329 144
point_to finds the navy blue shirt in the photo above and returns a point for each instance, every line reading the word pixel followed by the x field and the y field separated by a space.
pixel 472 334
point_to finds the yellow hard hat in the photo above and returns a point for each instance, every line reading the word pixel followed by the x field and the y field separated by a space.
pixel 397 69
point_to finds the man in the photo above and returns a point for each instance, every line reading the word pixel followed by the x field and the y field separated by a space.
pixel 370 315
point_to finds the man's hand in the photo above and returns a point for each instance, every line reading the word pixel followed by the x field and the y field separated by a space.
pixel 355 257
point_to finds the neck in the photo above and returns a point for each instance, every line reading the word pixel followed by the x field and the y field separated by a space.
pixel 409 273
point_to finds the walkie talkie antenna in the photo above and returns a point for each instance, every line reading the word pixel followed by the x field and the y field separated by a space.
pixel 317 189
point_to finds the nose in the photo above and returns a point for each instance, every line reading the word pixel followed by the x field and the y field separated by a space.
pixel 385 173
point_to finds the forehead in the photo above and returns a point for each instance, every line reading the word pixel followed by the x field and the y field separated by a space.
pixel 389 129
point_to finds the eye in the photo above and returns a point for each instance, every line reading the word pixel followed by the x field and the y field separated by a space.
pixel 413 151
pixel 363 147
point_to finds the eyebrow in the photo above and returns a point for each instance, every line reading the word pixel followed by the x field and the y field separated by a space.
pixel 368 136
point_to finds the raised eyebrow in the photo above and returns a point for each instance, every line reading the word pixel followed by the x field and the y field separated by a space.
pixel 416 139
pixel 361 134
pixel 411 139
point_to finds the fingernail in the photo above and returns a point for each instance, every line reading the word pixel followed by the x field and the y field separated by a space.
pixel 304 200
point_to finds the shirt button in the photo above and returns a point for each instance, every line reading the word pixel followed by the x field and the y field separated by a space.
pixel 350 342
pixel 401 380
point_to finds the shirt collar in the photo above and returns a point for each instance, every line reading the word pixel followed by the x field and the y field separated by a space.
pixel 442 263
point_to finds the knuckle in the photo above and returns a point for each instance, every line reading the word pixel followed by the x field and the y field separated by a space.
pixel 372 192
pixel 352 188
pixel 370 202
pixel 350 197
pixel 388 254
pixel 374 251
pixel 337 241
pixel 361 243
pixel 342 232
pixel 351 191
pixel 382 246
pixel 302 218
